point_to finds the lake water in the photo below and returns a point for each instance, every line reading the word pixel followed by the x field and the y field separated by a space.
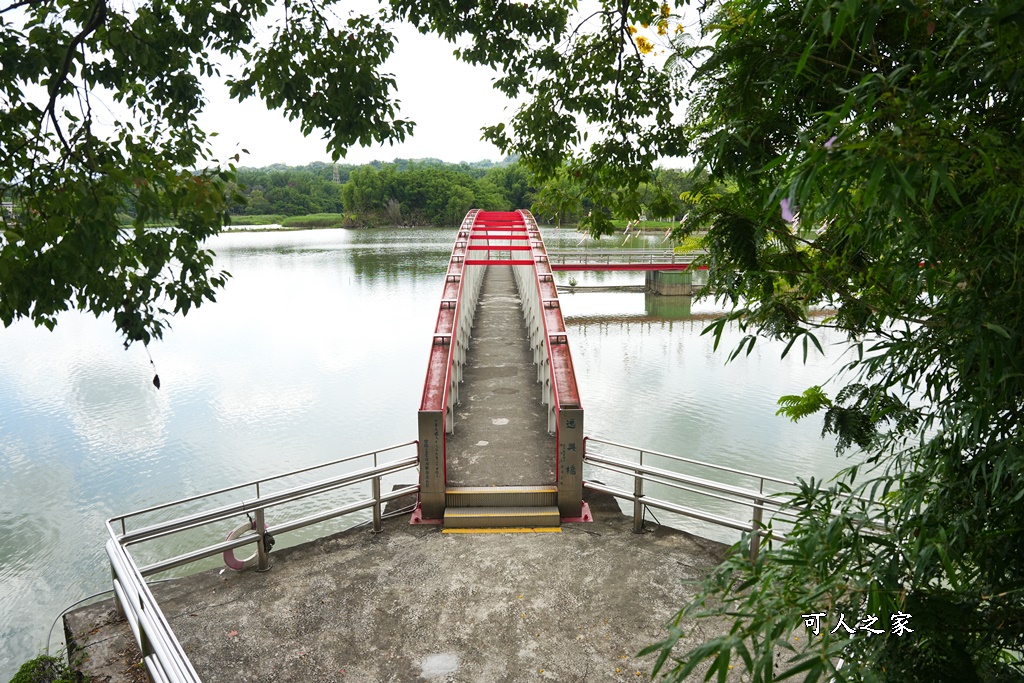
pixel 317 349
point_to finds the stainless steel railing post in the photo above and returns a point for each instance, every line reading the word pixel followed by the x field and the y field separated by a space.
pixel 755 529
pixel 118 605
pixel 145 643
pixel 262 556
pixel 638 506
pixel 377 527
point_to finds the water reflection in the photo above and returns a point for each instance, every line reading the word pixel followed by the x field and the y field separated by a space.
pixel 668 307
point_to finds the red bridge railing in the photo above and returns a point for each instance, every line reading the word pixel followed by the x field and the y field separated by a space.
pixel 444 368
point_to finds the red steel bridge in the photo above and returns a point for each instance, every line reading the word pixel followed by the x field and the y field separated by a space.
pixel 487 460
pixel 522 463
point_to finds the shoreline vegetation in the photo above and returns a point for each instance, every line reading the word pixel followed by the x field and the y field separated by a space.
pixel 341 220
pixel 271 223
pixel 433 193
pixel 321 221
pixel 333 221
pixel 430 193
pixel 317 222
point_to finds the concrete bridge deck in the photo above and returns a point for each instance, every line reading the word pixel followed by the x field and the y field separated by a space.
pixel 413 604
pixel 501 436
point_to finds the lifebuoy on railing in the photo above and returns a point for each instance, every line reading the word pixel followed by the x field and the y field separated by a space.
pixel 229 555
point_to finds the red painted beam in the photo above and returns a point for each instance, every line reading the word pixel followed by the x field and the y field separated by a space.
pixel 499 247
pixel 498 262
pixel 625 266
pixel 564 375
pixel 477 236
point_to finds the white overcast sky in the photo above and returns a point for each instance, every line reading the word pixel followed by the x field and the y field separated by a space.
pixel 449 100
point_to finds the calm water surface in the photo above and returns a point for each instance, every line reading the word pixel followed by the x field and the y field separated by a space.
pixel 316 350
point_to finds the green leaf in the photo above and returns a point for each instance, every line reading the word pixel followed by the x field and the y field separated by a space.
pixel 998 329
pixel 802 62
pixel 799 406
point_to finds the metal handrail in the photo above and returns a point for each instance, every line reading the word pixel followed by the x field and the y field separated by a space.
pixel 281 528
pixel 654 256
pixel 684 510
pixel 683 482
pixel 262 503
pixel 691 461
pixel 757 500
pixel 164 657
pixel 528 284
pixel 627 252
pixel 461 323
pixel 257 482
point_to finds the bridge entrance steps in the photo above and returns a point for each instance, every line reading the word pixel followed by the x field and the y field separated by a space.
pixel 501 506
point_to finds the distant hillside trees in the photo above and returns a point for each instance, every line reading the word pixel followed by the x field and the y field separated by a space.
pixel 288 191
pixel 429 192
pixel 422 195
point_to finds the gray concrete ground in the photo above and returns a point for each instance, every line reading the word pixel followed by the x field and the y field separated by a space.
pixel 501 431
pixel 413 604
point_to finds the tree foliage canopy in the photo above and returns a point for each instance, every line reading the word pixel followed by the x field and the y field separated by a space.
pixel 874 151
pixel 878 152
pixel 68 175
pixel 425 194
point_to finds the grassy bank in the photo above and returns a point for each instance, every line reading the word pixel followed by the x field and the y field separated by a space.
pixel 259 219
pixel 690 243
pixel 316 220
pixel 264 221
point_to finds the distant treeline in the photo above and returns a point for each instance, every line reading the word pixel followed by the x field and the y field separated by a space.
pixel 420 193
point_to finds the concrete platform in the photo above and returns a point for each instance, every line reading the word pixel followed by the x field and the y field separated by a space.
pixel 413 604
pixel 501 435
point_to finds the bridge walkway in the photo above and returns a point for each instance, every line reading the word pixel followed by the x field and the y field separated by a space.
pixel 501 436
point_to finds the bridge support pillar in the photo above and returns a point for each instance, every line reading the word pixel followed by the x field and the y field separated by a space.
pixel 570 462
pixel 432 465
pixel 670 282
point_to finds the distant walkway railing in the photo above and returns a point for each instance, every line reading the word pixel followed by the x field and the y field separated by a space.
pixel 623 259
pixel 163 655
pixel 760 496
